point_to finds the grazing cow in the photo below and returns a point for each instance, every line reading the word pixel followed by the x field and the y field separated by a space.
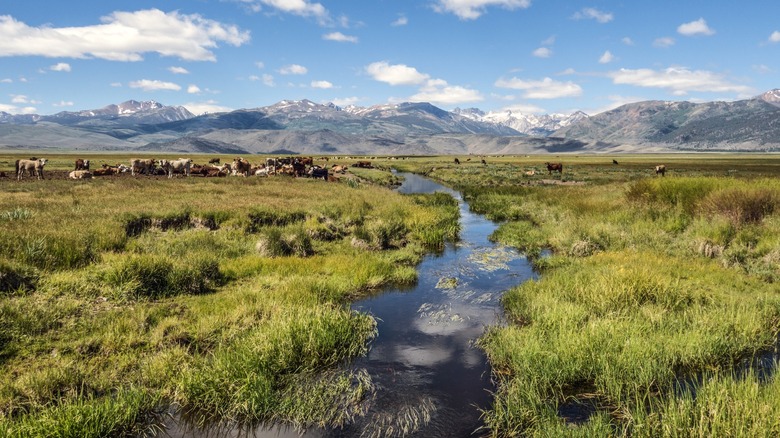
pixel 142 166
pixel 182 165
pixel 614 162
pixel 80 174
pixel 551 167
pixel 457 161
pixel 468 159
pixel 31 167
pixel 82 164
pixel 2 174
pixel 240 166
pixel 661 168
pixel 484 162
pixel 214 161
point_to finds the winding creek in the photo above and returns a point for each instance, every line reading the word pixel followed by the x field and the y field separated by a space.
pixel 430 378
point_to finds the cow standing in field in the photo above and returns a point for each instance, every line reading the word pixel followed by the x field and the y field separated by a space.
pixel 81 164
pixel 32 166
pixel 141 165
pixel 661 168
pixel 182 165
pixel 240 166
pixel 457 161
pixel 214 161
pixel 551 167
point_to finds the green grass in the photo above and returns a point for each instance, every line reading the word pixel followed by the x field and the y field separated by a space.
pixel 648 285
pixel 228 298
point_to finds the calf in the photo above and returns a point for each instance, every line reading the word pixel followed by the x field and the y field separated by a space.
pixel 661 168
pixel 80 174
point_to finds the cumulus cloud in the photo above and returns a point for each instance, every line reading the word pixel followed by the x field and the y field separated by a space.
pixel 62 103
pixel 321 84
pixel 340 37
pixel 473 9
pixel 542 52
pixel 60 66
pixel 301 8
pixel 266 79
pixel 401 21
pixel 606 58
pixel 440 92
pixel 154 85
pixel 627 41
pixel 775 37
pixel 663 42
pixel 122 36
pixel 19 98
pixel 398 74
pixel 178 70
pixel 678 80
pixel 13 109
pixel 547 88
pixel 698 27
pixel 193 89
pixel 293 69
pixel 207 107
pixel 593 14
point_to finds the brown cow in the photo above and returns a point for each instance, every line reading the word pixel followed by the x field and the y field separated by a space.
pixel 81 164
pixel 554 167
pixel 661 168
pixel 240 166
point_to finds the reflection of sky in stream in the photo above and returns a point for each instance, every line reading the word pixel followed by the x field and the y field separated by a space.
pixel 430 378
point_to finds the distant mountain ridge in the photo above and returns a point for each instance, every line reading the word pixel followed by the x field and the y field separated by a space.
pixel 303 126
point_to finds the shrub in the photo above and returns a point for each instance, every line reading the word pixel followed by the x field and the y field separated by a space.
pixel 276 242
pixel 741 206
pixel 151 276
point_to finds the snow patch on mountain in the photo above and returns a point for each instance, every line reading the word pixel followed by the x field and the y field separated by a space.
pixel 531 124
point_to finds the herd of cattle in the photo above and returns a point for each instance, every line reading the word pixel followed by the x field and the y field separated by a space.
pixel 294 166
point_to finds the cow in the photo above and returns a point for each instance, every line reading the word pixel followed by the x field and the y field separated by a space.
pixel 80 174
pixel 318 172
pixel 614 162
pixel 263 171
pixel 211 172
pixel 105 171
pixel 338 168
pixel 661 168
pixel 530 172
pixel 82 164
pixel 551 167
pixel 214 161
pixel 457 161
pixel 307 161
pixel 299 167
pixel 484 162
pixel 182 165
pixel 240 166
pixel 363 164
pixel 141 165
pixel 30 166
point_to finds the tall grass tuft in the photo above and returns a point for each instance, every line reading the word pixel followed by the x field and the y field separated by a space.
pixel 742 205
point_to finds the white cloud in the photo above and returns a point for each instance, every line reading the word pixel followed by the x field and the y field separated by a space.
pixel 116 84
pixel 438 91
pixel 606 58
pixel 698 27
pixel 62 103
pixel 178 70
pixel 473 9
pixel 60 66
pixel 346 101
pixel 260 65
pixel 545 89
pixel 12 109
pixel 678 80
pixel 398 74
pixel 593 14
pixel 293 69
pixel 268 80
pixel 123 36
pixel 542 52
pixel 154 85
pixel 340 37
pixel 775 37
pixel 6 81
pixel 193 89
pixel 19 98
pixel 663 42
pixel 762 69
pixel 302 8
pixel 627 41
pixel 210 106
pixel 321 84
pixel 401 21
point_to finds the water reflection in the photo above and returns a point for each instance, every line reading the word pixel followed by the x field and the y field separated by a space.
pixel 430 379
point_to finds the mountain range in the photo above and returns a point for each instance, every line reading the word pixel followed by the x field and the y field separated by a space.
pixel 306 127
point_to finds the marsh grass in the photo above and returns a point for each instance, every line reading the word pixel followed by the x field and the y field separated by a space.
pixel 115 287
pixel 654 296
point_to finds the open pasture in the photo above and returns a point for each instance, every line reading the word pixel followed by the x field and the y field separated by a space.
pixel 657 311
pixel 125 298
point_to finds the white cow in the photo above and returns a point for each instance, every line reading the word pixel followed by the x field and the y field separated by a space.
pixel 182 165
pixel 31 166
pixel 80 174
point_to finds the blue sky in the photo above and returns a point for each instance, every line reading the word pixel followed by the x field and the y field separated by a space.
pixel 530 56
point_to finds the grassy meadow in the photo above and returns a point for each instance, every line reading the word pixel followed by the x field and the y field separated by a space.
pixel 657 311
pixel 124 299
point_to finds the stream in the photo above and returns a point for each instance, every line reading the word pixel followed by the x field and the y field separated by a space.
pixel 430 378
